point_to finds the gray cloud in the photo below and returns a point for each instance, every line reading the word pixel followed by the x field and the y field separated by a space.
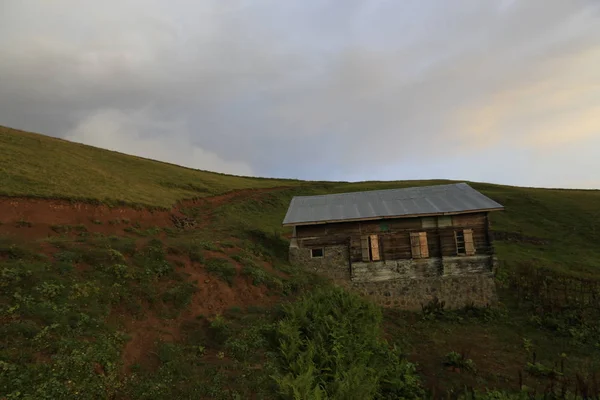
pixel 370 90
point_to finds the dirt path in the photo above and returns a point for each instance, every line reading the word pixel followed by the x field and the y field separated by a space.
pixel 38 218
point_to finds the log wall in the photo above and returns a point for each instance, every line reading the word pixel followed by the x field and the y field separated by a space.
pixel 394 235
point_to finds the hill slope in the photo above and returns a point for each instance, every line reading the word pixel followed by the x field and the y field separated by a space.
pixel 34 165
pixel 182 302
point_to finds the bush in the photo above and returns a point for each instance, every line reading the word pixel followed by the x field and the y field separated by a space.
pixel 180 295
pixel 460 361
pixel 258 275
pixel 96 257
pixel 435 311
pixel 221 268
pixel 153 259
pixel 220 329
pixel 12 251
pixel 68 256
pixel 330 347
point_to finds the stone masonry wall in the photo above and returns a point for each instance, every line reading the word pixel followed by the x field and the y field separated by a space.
pixel 407 284
pixel 411 294
pixel 473 265
pixel 334 263
pixel 397 269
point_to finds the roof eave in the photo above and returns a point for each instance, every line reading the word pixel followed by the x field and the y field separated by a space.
pixel 392 217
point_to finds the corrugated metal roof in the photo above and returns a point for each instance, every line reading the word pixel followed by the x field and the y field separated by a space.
pixel 378 204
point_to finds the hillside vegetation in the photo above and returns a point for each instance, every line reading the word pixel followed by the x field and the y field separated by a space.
pixel 34 165
pixel 113 305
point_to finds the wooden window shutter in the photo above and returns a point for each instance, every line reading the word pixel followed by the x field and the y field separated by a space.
pixel 423 244
pixel 364 245
pixel 469 244
pixel 456 242
pixel 375 248
pixel 415 244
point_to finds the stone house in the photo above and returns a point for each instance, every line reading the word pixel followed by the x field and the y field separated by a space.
pixel 403 247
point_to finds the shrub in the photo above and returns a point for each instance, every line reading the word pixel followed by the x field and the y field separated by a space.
pixel 221 268
pixel 434 309
pixel 68 256
pixel 330 347
pixel 220 329
pixel 540 370
pixel 97 257
pixel 153 259
pixel 460 361
pixel 13 251
pixel 195 255
pixel 23 224
pixel 119 271
pixel 180 295
pixel 124 245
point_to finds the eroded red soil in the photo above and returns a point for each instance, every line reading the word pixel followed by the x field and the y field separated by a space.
pixel 33 219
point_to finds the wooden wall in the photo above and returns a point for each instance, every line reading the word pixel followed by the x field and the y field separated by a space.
pixel 394 235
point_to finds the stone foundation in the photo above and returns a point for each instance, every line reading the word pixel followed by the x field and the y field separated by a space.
pixel 407 284
pixel 473 265
pixel 334 263
pixel 398 269
pixel 412 294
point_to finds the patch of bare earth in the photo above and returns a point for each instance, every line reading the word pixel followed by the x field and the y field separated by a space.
pixel 38 218
pixel 214 296
pixel 33 219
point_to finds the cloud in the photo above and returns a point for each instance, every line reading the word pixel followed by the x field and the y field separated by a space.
pixel 310 89
pixel 561 104
pixel 115 130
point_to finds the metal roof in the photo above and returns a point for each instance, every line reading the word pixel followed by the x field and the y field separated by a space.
pixel 394 203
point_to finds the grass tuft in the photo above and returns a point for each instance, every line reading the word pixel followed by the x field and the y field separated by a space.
pixel 222 268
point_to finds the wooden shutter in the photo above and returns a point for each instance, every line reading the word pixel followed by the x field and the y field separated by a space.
pixel 364 245
pixel 469 244
pixel 456 243
pixel 423 244
pixel 415 245
pixel 375 248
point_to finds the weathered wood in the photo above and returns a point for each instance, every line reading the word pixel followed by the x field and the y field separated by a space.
pixel 415 244
pixel 469 244
pixel 423 244
pixel 444 221
pixel 394 237
pixel 374 247
pixel 468 220
pixel 364 244
pixel 429 222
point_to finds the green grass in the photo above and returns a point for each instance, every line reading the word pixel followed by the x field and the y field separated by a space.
pixel 221 268
pixel 331 347
pixel 500 346
pixel 60 169
pixel 50 306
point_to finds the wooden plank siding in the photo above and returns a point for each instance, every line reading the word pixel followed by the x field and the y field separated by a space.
pixel 393 236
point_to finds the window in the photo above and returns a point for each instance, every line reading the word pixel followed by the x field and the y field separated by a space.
pixel 370 248
pixel 459 237
pixel 418 245
pixel 316 253
pixel 464 242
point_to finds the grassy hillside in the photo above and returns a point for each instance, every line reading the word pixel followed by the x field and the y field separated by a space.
pixel 118 306
pixel 41 166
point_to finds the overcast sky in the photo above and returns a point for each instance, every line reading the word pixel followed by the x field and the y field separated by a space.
pixel 498 91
